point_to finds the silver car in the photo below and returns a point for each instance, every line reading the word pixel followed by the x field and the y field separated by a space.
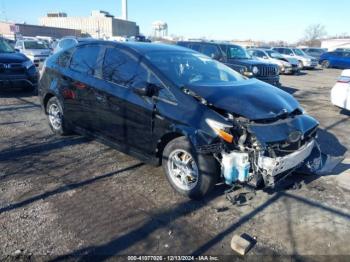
pixel 305 61
pixel 35 50
pixel 286 65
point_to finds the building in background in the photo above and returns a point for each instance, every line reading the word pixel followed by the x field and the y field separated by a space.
pixel 332 44
pixel 100 24
pixel 16 30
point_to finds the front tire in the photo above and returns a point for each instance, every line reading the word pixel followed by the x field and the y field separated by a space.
pixel 301 65
pixel 190 174
pixel 56 118
pixel 325 64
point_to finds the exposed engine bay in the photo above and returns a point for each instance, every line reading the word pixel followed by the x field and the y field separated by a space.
pixel 270 150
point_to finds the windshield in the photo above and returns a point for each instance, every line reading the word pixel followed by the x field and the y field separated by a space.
pixel 237 52
pixel 186 68
pixel 299 52
pixel 35 45
pixel 274 54
pixel 5 47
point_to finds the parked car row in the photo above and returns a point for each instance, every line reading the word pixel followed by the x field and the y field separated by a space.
pixel 237 58
pixel 176 107
pixel 16 69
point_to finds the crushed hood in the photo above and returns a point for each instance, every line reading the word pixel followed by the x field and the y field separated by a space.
pixel 252 99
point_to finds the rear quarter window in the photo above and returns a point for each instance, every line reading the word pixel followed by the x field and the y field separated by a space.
pixel 63 58
pixel 87 59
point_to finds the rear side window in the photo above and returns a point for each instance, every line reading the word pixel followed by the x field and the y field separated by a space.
pixel 122 68
pixel 87 59
pixel 64 58
pixel 66 43
pixel 196 47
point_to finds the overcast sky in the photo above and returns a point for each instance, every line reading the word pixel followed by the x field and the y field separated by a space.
pixel 216 19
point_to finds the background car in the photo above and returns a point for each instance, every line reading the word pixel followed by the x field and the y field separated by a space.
pixel 338 59
pixel 238 59
pixel 35 50
pixel 305 61
pixel 68 42
pixel 314 52
pixel 16 70
pixel 340 94
pixel 271 56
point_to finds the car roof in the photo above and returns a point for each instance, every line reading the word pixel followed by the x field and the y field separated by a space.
pixel 140 47
pixel 209 43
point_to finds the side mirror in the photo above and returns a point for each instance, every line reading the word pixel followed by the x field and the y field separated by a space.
pixel 215 56
pixel 144 89
pixel 265 57
pixel 291 54
pixel 17 50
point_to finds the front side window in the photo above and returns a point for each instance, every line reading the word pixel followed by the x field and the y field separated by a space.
pixel 298 52
pixel 237 52
pixel 186 68
pixel 87 59
pixel 259 54
pixel 274 54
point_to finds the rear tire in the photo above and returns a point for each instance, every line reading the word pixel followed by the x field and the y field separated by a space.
pixel 197 174
pixel 325 64
pixel 56 118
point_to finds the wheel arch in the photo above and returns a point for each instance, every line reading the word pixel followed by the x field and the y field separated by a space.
pixel 46 99
pixel 164 140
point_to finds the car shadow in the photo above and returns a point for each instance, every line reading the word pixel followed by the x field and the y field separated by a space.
pixel 10 93
pixel 290 90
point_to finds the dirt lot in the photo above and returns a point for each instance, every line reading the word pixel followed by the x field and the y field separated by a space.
pixel 73 196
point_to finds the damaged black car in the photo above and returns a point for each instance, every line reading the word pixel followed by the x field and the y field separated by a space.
pixel 172 106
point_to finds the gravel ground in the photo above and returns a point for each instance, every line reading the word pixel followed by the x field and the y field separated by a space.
pixel 61 197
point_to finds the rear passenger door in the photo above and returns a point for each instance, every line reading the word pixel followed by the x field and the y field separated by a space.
pixel 124 116
pixel 79 92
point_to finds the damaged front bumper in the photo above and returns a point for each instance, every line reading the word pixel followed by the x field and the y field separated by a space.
pixel 278 165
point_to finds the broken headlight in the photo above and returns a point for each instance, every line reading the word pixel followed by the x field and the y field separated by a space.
pixel 220 129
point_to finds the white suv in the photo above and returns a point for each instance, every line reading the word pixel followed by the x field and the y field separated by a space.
pixel 305 61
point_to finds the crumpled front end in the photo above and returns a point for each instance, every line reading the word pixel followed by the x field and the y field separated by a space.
pixel 270 150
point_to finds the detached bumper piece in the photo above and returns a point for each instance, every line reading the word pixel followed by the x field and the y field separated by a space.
pixel 319 163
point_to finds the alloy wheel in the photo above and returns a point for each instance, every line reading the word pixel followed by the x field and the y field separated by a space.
pixel 55 116
pixel 183 169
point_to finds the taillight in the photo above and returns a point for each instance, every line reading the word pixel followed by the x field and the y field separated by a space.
pixel 344 79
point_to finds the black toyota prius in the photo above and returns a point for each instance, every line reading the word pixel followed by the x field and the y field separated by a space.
pixel 172 106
